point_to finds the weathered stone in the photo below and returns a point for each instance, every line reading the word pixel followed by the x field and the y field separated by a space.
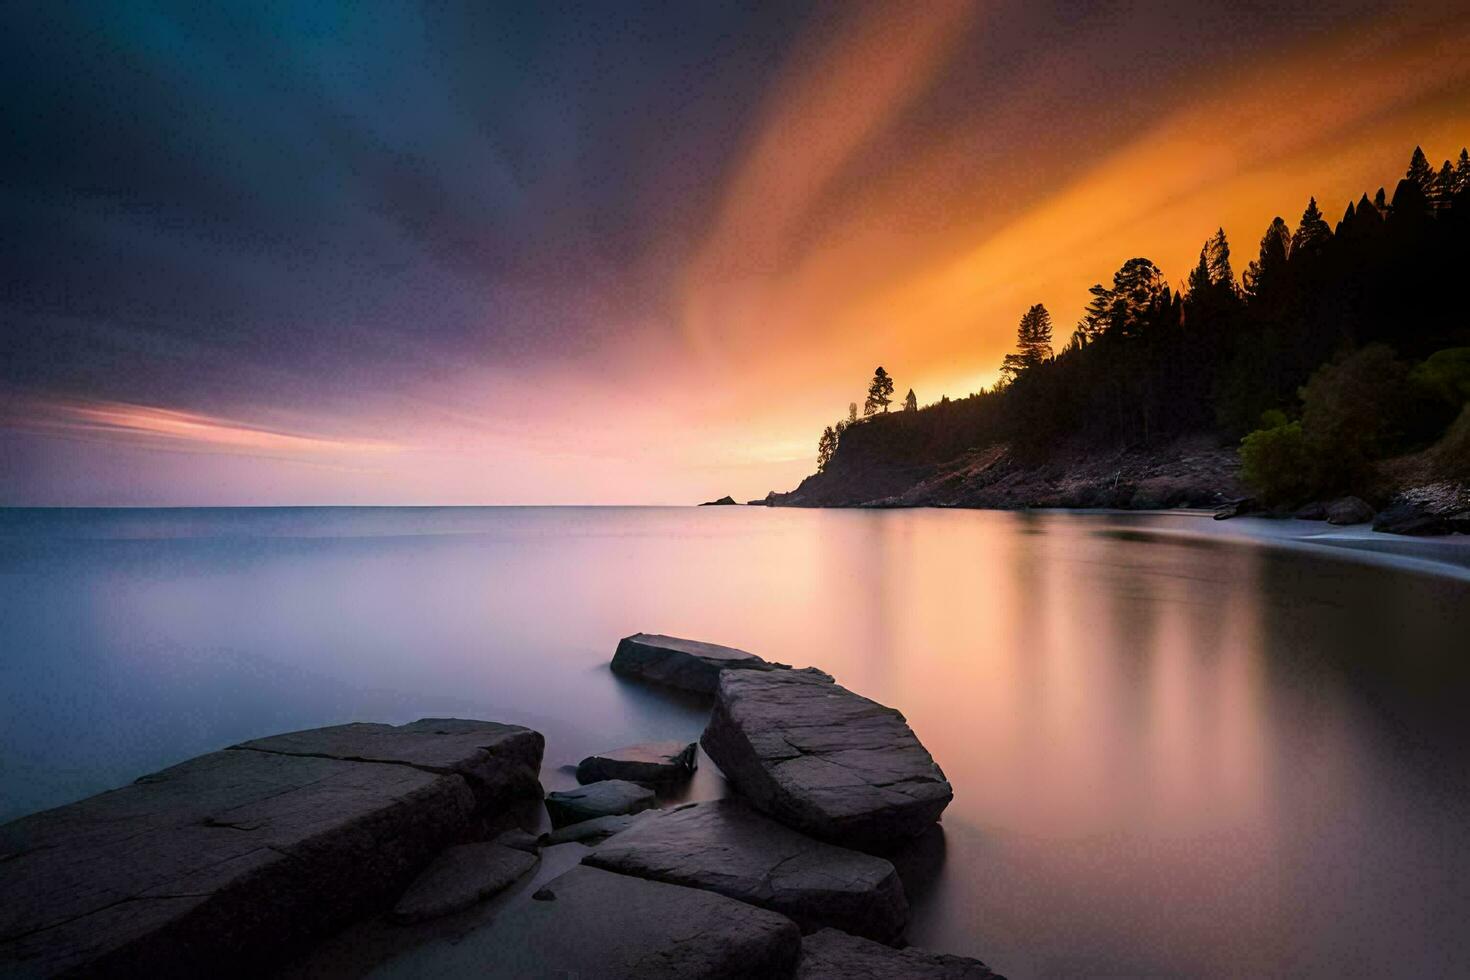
pixel 1349 510
pixel 688 664
pixel 604 799
pixel 1236 508
pixel 1315 511
pixel 648 762
pixel 594 831
pixel 823 760
pixel 520 840
pixel 230 862
pixel 460 877
pixel 589 923
pixel 724 846
pixel 833 955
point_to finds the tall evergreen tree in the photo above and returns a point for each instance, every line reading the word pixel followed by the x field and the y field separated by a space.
pixel 1380 200
pixel 1213 273
pixel 1444 187
pixel 880 392
pixel 826 446
pixel 1462 171
pixel 1312 233
pixel 910 403
pixel 1421 173
pixel 1138 290
pixel 1095 318
pixel 851 412
pixel 1033 344
pixel 1262 275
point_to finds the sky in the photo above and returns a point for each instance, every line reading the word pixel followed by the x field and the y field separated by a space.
pixel 466 253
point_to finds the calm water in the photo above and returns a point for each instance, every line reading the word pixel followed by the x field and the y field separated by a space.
pixel 1173 752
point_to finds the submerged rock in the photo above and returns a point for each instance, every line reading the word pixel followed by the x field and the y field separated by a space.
pixel 1349 510
pixel 591 923
pixel 688 664
pixel 459 878
pixel 724 846
pixel 595 831
pixel 231 862
pixel 604 799
pixel 647 762
pixel 822 759
pixel 1316 511
pixel 833 955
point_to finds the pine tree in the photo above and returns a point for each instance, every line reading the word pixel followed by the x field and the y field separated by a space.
pixel 1262 274
pixel 880 392
pixel 910 403
pixel 1444 186
pixel 1380 200
pixel 1095 318
pixel 1033 344
pixel 1220 272
pixel 1312 233
pixel 1462 171
pixel 851 412
pixel 826 446
pixel 1138 289
pixel 1421 173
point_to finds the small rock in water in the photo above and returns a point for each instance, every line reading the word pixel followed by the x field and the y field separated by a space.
pixel 1349 510
pixel 649 762
pixel 1315 511
pixel 725 846
pixel 691 665
pixel 594 831
pixel 459 878
pixel 609 797
pixel 520 840
pixel 833 955
pixel 822 759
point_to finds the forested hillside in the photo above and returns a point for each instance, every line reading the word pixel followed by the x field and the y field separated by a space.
pixel 1338 348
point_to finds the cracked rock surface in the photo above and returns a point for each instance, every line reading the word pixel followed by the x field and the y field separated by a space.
pixel 460 877
pixel 822 759
pixel 229 862
pixel 647 762
pixel 692 665
pixel 591 923
pixel 608 798
pixel 724 846
pixel 833 955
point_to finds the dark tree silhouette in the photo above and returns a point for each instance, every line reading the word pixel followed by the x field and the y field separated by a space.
pixel 1421 173
pixel 852 415
pixel 880 392
pixel 1033 344
pixel 1262 275
pixel 910 403
pixel 1313 232
pixel 826 446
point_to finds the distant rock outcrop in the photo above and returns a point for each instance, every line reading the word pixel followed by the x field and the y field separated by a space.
pixel 725 501
pixel 822 759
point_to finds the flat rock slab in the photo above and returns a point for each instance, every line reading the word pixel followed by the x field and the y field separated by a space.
pixel 648 762
pixel 726 847
pixel 822 759
pixel 675 662
pixel 833 955
pixel 230 862
pixel 594 831
pixel 607 798
pixel 461 877
pixel 596 924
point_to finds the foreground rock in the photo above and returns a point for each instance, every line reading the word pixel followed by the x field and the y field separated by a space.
pixel 595 831
pixel 605 799
pixel 461 877
pixel 649 762
pixel 590 923
pixel 832 955
pixel 726 847
pixel 1433 509
pixel 229 863
pixel 688 664
pixel 823 760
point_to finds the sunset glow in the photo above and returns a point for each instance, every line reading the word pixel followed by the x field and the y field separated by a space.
pixel 895 185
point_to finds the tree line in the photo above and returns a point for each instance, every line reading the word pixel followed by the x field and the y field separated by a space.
pixel 1372 311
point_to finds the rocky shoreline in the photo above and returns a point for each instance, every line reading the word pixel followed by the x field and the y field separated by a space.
pixel 423 848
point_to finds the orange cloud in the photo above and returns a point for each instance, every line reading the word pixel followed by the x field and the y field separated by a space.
pixel 171 429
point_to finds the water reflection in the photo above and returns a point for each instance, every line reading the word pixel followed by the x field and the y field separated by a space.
pixel 1172 753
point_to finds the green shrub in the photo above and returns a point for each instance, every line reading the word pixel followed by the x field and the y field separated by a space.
pixel 1279 464
pixel 1446 376
pixel 1452 453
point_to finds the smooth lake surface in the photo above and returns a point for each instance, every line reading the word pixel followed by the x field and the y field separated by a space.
pixel 1176 750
